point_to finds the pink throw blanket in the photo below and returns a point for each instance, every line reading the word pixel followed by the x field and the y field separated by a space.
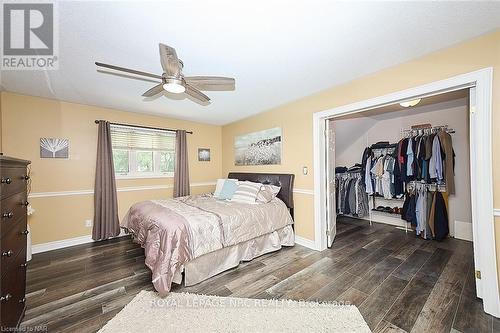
pixel 165 237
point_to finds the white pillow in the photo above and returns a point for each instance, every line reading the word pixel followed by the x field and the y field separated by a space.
pixel 220 184
pixel 267 193
pixel 246 192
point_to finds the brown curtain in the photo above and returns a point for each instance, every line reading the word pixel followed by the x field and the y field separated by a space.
pixel 106 223
pixel 181 171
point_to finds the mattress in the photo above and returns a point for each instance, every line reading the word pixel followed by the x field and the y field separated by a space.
pixel 176 232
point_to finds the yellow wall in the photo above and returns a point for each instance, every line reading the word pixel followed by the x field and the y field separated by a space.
pixel 295 118
pixel 26 119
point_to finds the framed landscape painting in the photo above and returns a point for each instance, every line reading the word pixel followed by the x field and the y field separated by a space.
pixel 258 148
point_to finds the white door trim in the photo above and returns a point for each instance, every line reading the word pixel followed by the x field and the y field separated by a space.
pixel 481 187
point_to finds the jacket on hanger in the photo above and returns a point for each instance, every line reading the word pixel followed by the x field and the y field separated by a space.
pixel 441 228
pixel 449 160
pixel 436 161
pixel 409 158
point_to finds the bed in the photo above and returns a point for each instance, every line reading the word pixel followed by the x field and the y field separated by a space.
pixel 196 237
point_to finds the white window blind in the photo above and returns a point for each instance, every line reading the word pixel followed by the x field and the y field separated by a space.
pixel 131 138
pixel 142 152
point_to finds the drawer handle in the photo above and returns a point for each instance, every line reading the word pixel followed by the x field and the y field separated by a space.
pixel 26 177
pixel 5 298
pixel 22 300
pixel 25 232
pixel 7 253
pixel 6 180
pixel 24 265
pixel 25 203
pixel 8 215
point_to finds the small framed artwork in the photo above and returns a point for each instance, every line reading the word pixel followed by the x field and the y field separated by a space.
pixel 204 154
pixel 54 148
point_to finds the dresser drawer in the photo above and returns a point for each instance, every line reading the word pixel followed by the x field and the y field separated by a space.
pixel 12 295
pixel 13 246
pixel 12 180
pixel 12 209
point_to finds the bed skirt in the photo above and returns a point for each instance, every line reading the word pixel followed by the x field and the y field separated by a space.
pixel 216 262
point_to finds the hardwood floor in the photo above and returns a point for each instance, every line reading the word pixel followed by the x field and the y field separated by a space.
pixel 400 283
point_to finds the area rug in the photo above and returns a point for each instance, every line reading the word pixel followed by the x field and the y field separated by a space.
pixel 184 312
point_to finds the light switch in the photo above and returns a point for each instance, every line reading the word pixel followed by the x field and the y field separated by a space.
pixel 304 171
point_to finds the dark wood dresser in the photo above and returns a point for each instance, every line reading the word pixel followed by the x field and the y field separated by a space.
pixel 13 231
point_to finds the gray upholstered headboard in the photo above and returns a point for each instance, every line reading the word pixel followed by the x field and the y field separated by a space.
pixel 284 180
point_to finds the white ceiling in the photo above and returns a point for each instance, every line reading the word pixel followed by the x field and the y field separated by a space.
pixel 278 51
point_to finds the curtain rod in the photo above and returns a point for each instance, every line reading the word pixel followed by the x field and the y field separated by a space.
pixel 140 126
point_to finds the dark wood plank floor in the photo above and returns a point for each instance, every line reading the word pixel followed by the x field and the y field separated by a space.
pixel 399 282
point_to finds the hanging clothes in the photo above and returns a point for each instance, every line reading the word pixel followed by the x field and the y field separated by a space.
pixel 449 160
pixel 362 206
pixel 409 158
pixel 352 198
pixel 420 158
pixel 387 178
pixel 427 212
pixel 367 176
pixel 377 171
pixel 403 158
pixel 441 228
pixel 422 229
pixel 367 153
pixel 409 208
pixel 436 161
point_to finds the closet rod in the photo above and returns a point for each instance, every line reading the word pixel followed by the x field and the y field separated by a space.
pixel 411 131
pixel 147 127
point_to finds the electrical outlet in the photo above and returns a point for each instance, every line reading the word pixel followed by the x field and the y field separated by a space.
pixel 88 223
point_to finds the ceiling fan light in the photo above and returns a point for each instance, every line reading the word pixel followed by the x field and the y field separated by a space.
pixel 174 86
pixel 411 103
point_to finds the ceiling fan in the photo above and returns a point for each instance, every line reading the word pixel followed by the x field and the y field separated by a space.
pixel 173 81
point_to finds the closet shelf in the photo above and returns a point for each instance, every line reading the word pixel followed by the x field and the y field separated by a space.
pixel 382 197
pixel 388 213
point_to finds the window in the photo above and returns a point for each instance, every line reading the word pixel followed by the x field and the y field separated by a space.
pixel 142 152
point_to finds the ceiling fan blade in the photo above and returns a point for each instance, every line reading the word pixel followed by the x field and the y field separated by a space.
pixel 169 61
pixel 128 70
pixel 196 94
pixel 211 82
pixel 153 91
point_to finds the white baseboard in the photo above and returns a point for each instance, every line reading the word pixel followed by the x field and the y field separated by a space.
pixel 305 242
pixel 60 244
pixel 463 230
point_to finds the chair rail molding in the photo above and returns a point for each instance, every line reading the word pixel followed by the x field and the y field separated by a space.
pixel 119 189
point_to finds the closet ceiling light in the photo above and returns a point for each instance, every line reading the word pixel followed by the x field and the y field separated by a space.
pixel 410 103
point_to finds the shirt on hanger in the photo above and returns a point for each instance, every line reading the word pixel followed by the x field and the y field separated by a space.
pixel 436 162
pixel 409 158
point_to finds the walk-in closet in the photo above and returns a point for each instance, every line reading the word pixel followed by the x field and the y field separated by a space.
pixel 407 165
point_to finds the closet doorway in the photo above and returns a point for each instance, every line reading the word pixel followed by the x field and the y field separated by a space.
pixel 460 108
pixel 370 155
